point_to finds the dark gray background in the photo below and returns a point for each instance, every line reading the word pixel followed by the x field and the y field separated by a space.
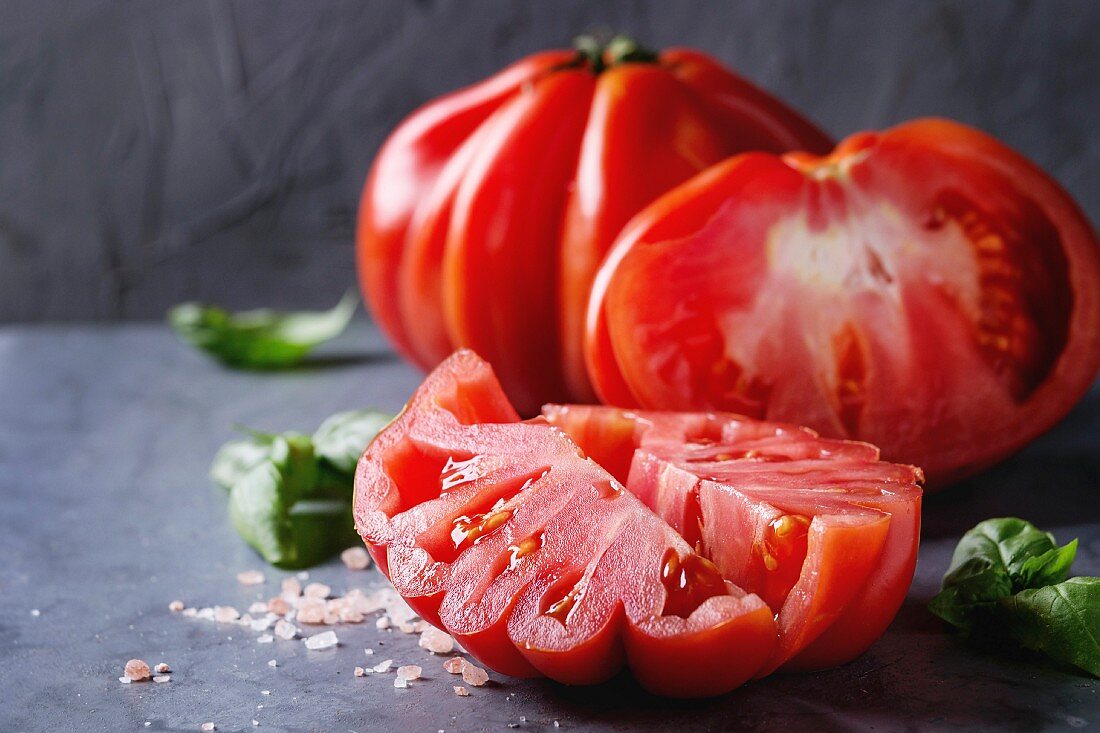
pixel 152 152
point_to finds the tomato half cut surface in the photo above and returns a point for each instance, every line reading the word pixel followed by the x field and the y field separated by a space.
pixel 539 561
pixel 924 288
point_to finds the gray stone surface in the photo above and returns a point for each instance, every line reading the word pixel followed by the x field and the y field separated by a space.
pixel 152 152
pixel 107 515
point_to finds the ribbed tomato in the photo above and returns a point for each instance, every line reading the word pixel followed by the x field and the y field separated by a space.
pixel 487 212
pixel 737 547
pixel 925 288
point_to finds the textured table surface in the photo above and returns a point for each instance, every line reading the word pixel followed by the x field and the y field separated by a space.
pixel 106 515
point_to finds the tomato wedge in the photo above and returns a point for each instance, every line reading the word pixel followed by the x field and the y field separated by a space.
pixel 924 288
pixel 740 546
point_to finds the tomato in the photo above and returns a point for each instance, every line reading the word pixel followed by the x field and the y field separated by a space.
pixel 487 212
pixel 925 288
pixel 539 561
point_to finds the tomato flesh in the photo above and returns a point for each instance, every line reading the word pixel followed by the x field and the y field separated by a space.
pixel 737 547
pixel 924 288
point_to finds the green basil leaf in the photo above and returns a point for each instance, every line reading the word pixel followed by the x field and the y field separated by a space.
pixel 237 457
pixel 259 339
pixel 976 583
pixel 1049 568
pixel 321 528
pixel 343 437
pixel 1061 621
pixel 1012 545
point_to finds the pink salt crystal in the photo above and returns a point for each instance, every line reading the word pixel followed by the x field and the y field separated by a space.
pixel 383 622
pixel 407 628
pixel 190 612
pixel 461 691
pixel 291 588
pixel 257 608
pixel 162 678
pixel 474 675
pixel 454 665
pixel 285 629
pixel 400 681
pixel 409 671
pixel 225 614
pixel 351 616
pixel 360 672
pixel 162 668
pixel 383 666
pixel 250 577
pixel 278 606
pixel 208 726
pixel 311 611
pixel 331 619
pixel 436 641
pixel 317 590
pixel 137 670
pixel 356 558
pixel 324 640
pixel 175 606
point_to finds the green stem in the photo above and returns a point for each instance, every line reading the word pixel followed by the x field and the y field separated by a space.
pixel 600 55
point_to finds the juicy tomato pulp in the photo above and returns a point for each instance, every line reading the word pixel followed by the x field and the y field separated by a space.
pixel 924 288
pixel 487 211
pixel 737 547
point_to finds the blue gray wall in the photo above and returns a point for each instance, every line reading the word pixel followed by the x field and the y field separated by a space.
pixel 152 152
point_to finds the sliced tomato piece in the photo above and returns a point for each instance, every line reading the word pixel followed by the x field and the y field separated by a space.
pixel 537 559
pixel 821 529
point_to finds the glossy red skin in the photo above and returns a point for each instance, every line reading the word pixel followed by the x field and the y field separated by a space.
pixel 458 451
pixel 404 515
pixel 488 211
pixel 863 570
pixel 929 389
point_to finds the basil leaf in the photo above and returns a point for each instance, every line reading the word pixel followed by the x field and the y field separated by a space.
pixel 343 437
pixel 976 583
pixel 1061 621
pixel 237 457
pixel 1049 568
pixel 1012 546
pixel 259 339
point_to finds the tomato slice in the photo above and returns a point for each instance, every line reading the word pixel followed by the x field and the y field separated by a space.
pixel 923 288
pixel 821 529
pixel 739 547
pixel 535 558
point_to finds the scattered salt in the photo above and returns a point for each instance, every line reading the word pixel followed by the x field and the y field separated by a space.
pixel 360 672
pixel 317 590
pixel 400 682
pixel 137 670
pixel 162 678
pixel 250 577
pixel 272 663
pixel 255 722
pixel 278 606
pixel 285 629
pixel 225 614
pixel 383 622
pixel 303 575
pixel 356 558
pixel 461 691
pixel 291 588
pixel 175 606
pixel 383 666
pixel 265 639
pixel 265 692
pixel 369 652
pixel 311 611
pixel 208 726
pixel 474 675
pixel 324 640
pixel 436 641
pixel 454 665
pixel 409 671
pixel 162 668
pixel 257 608
pixel 125 680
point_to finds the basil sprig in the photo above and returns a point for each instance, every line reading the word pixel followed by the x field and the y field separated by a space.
pixel 290 494
pixel 259 339
pixel 1009 582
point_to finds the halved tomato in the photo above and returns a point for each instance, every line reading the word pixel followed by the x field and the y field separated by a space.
pixel 539 562
pixel 924 288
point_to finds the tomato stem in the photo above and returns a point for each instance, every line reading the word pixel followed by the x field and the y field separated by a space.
pixel 600 55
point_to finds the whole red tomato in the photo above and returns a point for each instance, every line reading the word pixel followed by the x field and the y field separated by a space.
pixel 488 211
pixel 924 288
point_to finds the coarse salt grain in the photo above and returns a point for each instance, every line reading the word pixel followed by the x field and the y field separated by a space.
pixel 351 616
pixel 125 680
pixel 260 624
pixel 162 668
pixel 360 672
pixel 369 652
pixel 474 675
pixel 383 622
pixel 278 606
pixel 311 611
pixel 250 577
pixel 257 608
pixel 317 590
pixel 409 671
pixel 137 670
pixel 175 606
pixel 383 666
pixel 461 691
pixel 162 678
pixel 265 692
pixel 208 726
pixel 436 641
pixel 190 612
pixel 454 665
pixel 324 640
pixel 400 682
pixel 225 614
pixel 331 619
pixel 255 722
pixel 355 558
pixel 272 663
pixel 291 588
pixel 265 639
pixel 285 629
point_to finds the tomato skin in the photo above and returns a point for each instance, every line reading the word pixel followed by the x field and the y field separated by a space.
pixel 973 327
pixel 487 212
